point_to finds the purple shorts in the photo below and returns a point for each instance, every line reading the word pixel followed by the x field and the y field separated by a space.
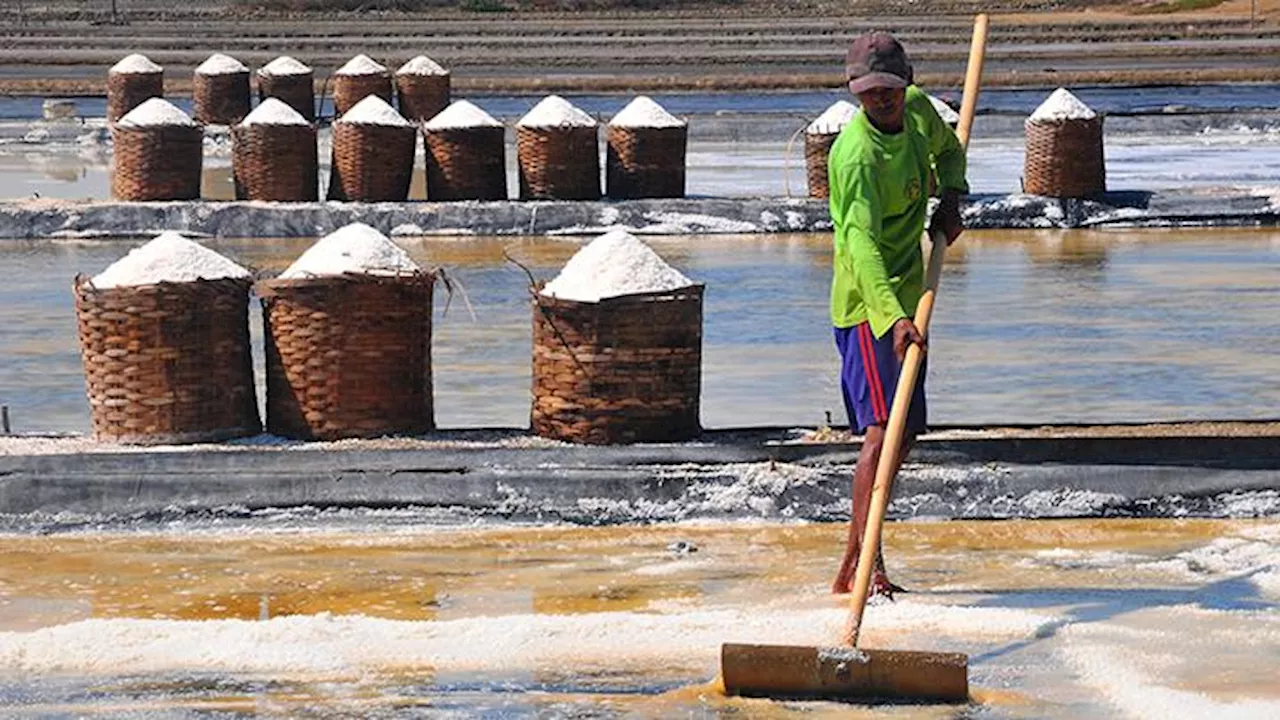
pixel 868 377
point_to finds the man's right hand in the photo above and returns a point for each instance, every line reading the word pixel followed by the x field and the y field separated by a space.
pixel 904 334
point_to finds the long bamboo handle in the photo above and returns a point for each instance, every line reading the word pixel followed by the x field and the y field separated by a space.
pixel 892 444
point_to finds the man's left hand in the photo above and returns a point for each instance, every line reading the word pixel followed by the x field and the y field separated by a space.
pixel 946 218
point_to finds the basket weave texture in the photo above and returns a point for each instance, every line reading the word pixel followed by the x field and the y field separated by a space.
pixel 422 97
pixel 645 162
pixel 168 363
pixel 1064 158
pixel 623 370
pixel 371 163
pixel 351 89
pixel 348 356
pixel 275 162
pixel 817 148
pixel 156 163
pixel 221 99
pixel 296 91
pixel 126 91
pixel 466 163
pixel 558 163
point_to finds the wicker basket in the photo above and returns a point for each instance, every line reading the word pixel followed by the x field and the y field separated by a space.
pixel 348 356
pixel 351 89
pixel 371 163
pixel 296 91
pixel 623 370
pixel 1064 158
pixel 645 162
pixel 156 163
pixel 466 163
pixel 168 363
pixel 558 163
pixel 422 97
pixel 221 99
pixel 817 147
pixel 275 162
pixel 126 91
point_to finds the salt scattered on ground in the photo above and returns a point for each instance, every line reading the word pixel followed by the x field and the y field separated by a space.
pixel 156 112
pixel 833 119
pixel 614 264
pixel 136 63
pixel 949 116
pixel 643 112
pixel 274 111
pixel 361 65
pixel 219 64
pixel 373 110
pixel 1062 105
pixel 555 111
pixel 284 65
pixel 422 65
pixel 169 257
pixel 461 114
pixel 355 248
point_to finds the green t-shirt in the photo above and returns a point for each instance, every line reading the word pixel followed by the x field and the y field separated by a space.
pixel 879 198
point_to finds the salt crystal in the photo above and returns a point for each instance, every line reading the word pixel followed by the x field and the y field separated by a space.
pixel 373 110
pixel 461 114
pixel 274 111
pixel 156 112
pixel 422 65
pixel 135 64
pixel 614 264
pixel 833 119
pixel 1062 105
pixel 284 65
pixel 643 112
pixel 169 257
pixel 355 248
pixel 555 111
pixel 219 64
pixel 949 116
pixel 361 65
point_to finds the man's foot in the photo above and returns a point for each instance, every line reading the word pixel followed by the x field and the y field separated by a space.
pixel 882 587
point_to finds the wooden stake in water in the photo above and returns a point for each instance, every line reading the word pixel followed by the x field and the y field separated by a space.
pixel 4 419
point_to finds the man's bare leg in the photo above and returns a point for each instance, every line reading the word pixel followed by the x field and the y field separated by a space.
pixel 864 478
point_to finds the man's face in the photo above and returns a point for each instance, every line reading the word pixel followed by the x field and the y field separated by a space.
pixel 884 107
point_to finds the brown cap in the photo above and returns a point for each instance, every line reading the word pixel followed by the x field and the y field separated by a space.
pixel 876 60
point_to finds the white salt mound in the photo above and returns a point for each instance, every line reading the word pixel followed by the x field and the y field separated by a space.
pixel 944 110
pixel 643 112
pixel 274 111
pixel 361 65
pixel 156 112
pixel 555 111
pixel 284 65
pixel 355 248
pixel 168 258
pixel 461 114
pixel 614 264
pixel 422 65
pixel 833 119
pixel 219 64
pixel 1062 105
pixel 373 110
pixel 135 63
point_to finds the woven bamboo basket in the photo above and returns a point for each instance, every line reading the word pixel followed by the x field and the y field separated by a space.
pixel 156 163
pixel 371 163
pixel 1064 158
pixel 221 99
pixel 348 356
pixel 351 89
pixel 422 97
pixel 466 163
pixel 645 162
pixel 816 149
pixel 560 163
pixel 296 91
pixel 623 370
pixel 275 162
pixel 126 91
pixel 168 363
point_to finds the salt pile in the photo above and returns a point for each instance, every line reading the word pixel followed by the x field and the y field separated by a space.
pixel 422 65
pixel 284 65
pixel 135 63
pixel 361 65
pixel 373 110
pixel 156 112
pixel 949 116
pixel 167 258
pixel 643 112
pixel 555 111
pixel 461 114
pixel 355 248
pixel 614 264
pixel 1062 105
pixel 274 111
pixel 833 119
pixel 219 64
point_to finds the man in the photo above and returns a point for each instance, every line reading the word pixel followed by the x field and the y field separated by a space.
pixel 880 171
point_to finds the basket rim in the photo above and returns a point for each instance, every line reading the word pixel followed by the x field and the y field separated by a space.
pixel 422 276
pixel 84 283
pixel 536 290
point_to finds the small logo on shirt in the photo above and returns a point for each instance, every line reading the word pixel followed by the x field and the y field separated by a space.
pixel 913 189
